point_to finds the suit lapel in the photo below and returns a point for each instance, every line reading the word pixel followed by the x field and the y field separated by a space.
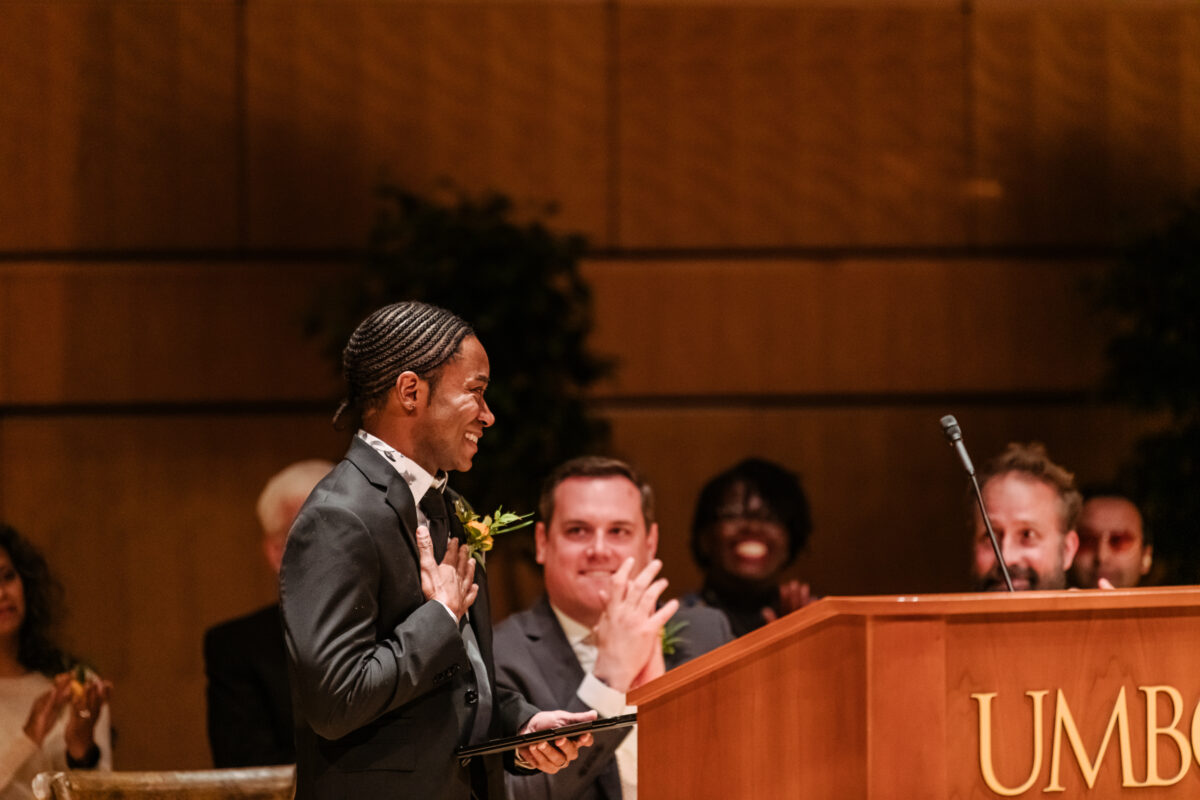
pixel 562 673
pixel 396 494
pixel 557 661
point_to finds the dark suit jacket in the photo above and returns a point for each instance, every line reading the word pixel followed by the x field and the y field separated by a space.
pixel 249 704
pixel 533 657
pixel 382 687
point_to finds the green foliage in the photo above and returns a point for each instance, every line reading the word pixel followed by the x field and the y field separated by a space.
pixel 518 285
pixel 671 636
pixel 1154 365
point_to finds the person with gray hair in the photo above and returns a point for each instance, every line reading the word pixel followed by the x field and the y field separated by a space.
pixel 249 706
pixel 385 613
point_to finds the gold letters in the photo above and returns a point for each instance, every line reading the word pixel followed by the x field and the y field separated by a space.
pixel 985 743
pixel 1118 720
pixel 1064 721
pixel 1153 732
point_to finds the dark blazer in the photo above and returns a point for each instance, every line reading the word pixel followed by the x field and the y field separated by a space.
pixel 534 658
pixel 382 687
pixel 249 704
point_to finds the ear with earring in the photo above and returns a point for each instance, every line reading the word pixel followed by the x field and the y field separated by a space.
pixel 407 388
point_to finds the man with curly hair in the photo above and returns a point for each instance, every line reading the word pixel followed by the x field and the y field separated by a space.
pixel 1034 507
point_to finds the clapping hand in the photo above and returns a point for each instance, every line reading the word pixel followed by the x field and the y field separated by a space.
pixel 629 633
pixel 45 709
pixel 87 697
pixel 84 701
pixel 793 596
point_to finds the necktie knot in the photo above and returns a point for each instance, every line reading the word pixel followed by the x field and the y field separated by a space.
pixel 433 506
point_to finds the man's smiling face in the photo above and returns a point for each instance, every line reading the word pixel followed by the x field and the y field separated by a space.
pixel 597 524
pixel 1027 518
pixel 453 413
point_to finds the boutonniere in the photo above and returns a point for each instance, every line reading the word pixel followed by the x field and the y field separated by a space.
pixel 481 532
pixel 671 637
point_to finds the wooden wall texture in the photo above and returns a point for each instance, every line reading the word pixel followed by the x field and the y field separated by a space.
pixel 818 226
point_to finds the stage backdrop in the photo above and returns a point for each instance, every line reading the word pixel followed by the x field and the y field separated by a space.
pixel 817 227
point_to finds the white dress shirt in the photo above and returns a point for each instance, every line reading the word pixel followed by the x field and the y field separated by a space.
pixel 607 701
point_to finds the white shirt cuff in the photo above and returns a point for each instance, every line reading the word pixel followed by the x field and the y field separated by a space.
pixel 453 616
pixel 607 701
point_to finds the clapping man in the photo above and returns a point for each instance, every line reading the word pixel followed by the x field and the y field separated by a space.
pixel 601 629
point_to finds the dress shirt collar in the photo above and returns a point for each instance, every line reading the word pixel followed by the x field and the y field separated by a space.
pixel 576 632
pixel 418 480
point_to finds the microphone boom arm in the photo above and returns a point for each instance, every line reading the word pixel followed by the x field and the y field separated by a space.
pixel 954 437
pixel 992 535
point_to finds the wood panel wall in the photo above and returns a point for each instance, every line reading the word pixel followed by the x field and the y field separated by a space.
pixel 818 226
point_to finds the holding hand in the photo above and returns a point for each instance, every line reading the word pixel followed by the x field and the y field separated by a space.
pixel 86 700
pixel 45 709
pixel 83 700
pixel 453 581
pixel 551 756
pixel 629 633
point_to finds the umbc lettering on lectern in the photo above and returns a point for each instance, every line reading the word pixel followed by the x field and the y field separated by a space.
pixel 1168 735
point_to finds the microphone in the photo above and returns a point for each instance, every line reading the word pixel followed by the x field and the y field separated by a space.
pixel 953 435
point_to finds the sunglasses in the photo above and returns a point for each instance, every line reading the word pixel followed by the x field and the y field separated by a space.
pixel 1118 541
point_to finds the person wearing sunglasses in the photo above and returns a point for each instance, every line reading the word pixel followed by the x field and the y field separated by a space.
pixel 1112 542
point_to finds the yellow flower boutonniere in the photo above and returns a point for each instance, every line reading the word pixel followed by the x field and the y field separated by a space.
pixel 482 532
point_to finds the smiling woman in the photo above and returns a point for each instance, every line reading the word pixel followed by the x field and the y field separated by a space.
pixel 751 521
pixel 48 720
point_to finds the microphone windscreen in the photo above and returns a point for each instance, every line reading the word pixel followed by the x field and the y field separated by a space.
pixel 950 428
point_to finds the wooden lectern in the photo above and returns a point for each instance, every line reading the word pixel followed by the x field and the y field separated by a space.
pixel 1079 694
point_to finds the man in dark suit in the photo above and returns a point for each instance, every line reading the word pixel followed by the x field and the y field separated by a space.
pixel 600 631
pixel 249 703
pixel 385 614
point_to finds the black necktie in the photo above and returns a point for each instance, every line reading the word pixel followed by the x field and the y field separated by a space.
pixel 433 505
pixel 479 699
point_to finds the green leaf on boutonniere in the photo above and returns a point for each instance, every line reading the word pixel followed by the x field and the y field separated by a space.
pixel 482 532
pixel 670 635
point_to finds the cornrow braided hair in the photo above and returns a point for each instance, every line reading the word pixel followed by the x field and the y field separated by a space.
pixel 401 337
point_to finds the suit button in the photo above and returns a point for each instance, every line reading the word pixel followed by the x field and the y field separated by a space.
pixel 472 697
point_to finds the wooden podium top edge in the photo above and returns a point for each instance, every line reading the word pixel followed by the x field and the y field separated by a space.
pixel 948 606
pixel 1008 603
